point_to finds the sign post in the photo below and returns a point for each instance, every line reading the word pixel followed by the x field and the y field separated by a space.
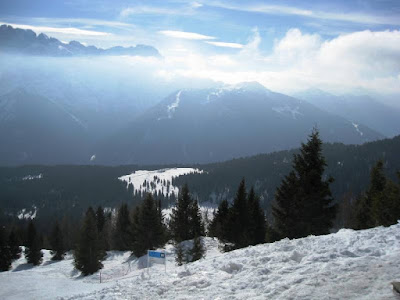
pixel 158 257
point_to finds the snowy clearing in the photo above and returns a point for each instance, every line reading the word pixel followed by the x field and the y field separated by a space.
pixel 156 181
pixel 344 265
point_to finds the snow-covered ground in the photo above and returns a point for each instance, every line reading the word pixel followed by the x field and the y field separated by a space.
pixel 344 265
pixel 156 181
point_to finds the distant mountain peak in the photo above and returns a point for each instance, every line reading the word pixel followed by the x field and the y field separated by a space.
pixel 21 41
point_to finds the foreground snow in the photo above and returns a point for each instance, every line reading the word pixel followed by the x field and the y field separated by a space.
pixel 344 265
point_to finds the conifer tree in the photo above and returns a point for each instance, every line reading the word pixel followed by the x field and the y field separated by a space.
pixel 100 218
pixel 381 203
pixel 5 253
pixel 196 222
pixel 197 252
pixel 179 254
pixel 88 253
pixel 14 243
pixel 33 247
pixel 238 218
pixel 257 223
pixel 122 232
pixel 218 226
pixel 149 232
pixel 180 222
pixel 287 208
pixel 57 243
pixel 304 195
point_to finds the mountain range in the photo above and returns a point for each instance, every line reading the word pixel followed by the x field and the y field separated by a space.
pixel 25 41
pixel 357 108
pixel 209 125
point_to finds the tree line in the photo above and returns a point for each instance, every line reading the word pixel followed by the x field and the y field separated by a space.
pixel 303 205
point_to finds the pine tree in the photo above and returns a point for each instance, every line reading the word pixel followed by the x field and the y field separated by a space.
pixel 149 232
pixel 257 223
pixel 57 243
pixel 14 243
pixel 5 253
pixel 197 252
pixel 100 218
pixel 33 247
pixel 238 218
pixel 304 201
pixel 196 222
pixel 380 205
pixel 286 210
pixel 218 226
pixel 179 254
pixel 88 253
pixel 122 233
pixel 180 223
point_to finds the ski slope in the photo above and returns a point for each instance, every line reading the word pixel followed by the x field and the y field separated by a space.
pixel 344 265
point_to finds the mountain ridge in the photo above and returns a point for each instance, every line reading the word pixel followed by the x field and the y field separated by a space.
pixel 26 41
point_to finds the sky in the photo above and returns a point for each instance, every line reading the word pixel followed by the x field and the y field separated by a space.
pixel 285 45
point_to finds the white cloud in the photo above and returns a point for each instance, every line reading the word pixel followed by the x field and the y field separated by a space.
pixel 186 35
pixel 126 12
pixel 360 60
pixel 226 45
pixel 63 30
pixel 292 10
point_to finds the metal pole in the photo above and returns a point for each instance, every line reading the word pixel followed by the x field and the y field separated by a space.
pixel 148 262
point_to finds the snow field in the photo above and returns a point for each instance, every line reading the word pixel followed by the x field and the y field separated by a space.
pixel 153 181
pixel 345 265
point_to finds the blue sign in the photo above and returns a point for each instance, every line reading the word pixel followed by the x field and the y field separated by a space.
pixel 157 254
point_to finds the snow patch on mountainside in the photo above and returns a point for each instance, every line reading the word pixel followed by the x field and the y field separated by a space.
pixel 358 130
pixel 173 106
pixel 288 111
pixel 25 214
pixel 32 177
pixel 156 181
pixel 345 265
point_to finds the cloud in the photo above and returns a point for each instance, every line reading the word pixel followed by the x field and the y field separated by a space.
pixel 225 45
pixel 186 35
pixel 296 11
pixel 63 30
pixel 187 9
pixel 361 60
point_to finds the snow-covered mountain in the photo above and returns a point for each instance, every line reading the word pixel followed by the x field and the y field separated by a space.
pixel 344 265
pixel 358 109
pixel 16 40
pixel 205 125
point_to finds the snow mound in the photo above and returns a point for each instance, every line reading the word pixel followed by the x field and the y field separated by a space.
pixel 345 265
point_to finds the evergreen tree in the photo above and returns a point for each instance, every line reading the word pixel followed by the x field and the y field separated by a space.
pixel 304 201
pixel 14 243
pixel 197 252
pixel 180 222
pixel 5 253
pixel 238 218
pixel 57 243
pixel 149 232
pixel 196 222
pixel 218 226
pixel 179 254
pixel 122 233
pixel 380 205
pixel 287 208
pixel 33 247
pixel 88 253
pixel 100 218
pixel 257 223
